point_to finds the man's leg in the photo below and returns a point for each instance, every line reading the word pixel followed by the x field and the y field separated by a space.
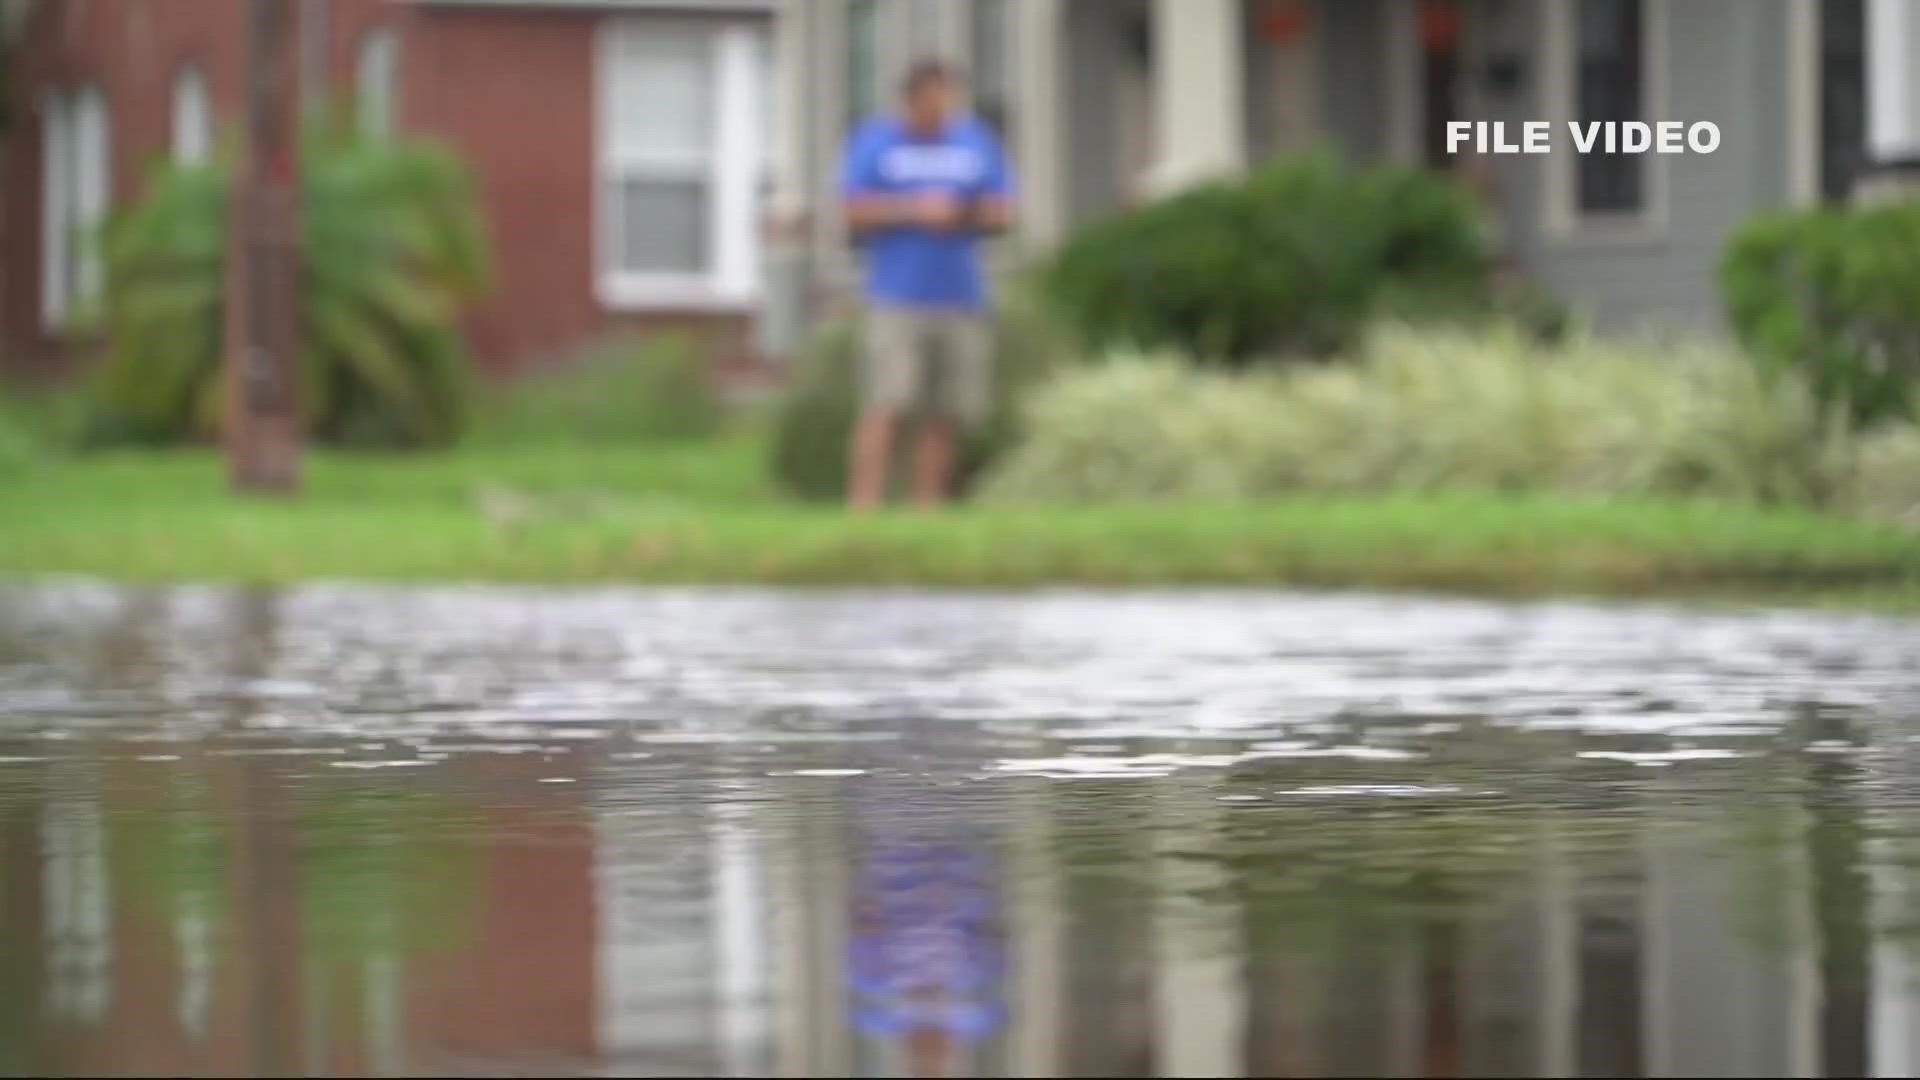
pixel 933 456
pixel 889 367
pixel 966 357
pixel 869 456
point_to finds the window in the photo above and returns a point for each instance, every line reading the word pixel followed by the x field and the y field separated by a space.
pixel 683 159
pixel 1611 87
pixel 863 59
pixel 74 194
pixel 192 117
pixel 375 79
pixel 992 74
pixel 1605 62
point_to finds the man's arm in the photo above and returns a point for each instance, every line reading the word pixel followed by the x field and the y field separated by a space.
pixel 992 211
pixel 867 210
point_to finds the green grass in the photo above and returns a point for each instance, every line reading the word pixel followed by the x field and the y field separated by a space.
pixel 687 513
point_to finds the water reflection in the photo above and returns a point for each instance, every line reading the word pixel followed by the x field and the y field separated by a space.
pixel 349 832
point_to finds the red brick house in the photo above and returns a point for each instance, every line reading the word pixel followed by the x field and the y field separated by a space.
pixel 602 217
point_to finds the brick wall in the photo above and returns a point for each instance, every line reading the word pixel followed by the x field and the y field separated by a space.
pixel 510 88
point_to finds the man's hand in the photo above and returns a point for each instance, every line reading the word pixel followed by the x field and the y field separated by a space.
pixel 928 210
pixel 993 215
pixel 940 210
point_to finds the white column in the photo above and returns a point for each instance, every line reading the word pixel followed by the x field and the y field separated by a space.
pixel 785 278
pixel 1040 148
pixel 1803 101
pixel 832 268
pixel 1199 87
pixel 1893 80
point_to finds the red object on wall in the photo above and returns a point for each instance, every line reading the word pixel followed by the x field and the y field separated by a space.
pixel 1284 22
pixel 1440 23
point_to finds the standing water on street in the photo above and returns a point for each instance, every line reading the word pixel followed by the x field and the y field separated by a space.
pixel 478 831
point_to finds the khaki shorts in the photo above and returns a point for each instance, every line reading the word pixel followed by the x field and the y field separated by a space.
pixel 938 362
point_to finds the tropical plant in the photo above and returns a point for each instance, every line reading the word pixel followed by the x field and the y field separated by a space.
pixel 392 245
pixel 1290 260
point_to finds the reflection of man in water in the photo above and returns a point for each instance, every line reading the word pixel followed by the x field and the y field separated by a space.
pixel 925 963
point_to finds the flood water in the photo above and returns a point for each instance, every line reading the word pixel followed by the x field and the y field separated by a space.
pixel 362 831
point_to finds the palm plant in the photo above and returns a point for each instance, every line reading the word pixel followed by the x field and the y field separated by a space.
pixel 393 245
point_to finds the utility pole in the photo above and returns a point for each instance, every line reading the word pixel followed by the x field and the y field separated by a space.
pixel 263 430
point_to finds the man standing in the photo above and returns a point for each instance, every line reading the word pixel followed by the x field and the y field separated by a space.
pixel 921 190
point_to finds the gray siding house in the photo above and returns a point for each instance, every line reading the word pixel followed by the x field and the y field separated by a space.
pixel 1108 102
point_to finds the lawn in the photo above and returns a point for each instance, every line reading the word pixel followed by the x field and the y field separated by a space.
pixel 704 513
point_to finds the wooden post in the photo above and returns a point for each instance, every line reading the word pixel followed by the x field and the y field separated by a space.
pixel 263 432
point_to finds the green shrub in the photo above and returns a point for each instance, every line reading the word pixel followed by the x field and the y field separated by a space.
pixel 816 415
pixel 1425 411
pixel 625 389
pixel 393 245
pixel 1886 474
pixel 1139 427
pixel 1293 259
pixel 1833 293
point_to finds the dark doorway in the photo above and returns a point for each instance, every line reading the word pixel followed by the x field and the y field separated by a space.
pixel 1843 96
pixel 1440 76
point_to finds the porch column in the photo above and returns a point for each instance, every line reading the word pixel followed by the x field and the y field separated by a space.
pixel 783 304
pixel 1199 87
pixel 1040 142
pixel 1893 99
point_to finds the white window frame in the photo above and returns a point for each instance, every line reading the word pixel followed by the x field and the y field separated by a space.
pixel 1565 222
pixel 76 193
pixel 192 132
pixel 1804 58
pixel 92 190
pixel 376 81
pixel 56 196
pixel 736 172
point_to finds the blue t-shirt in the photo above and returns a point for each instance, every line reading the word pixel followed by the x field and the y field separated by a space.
pixel 910 266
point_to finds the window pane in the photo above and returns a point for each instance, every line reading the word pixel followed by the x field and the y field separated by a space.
pixel 376 79
pixel 56 190
pixel 192 118
pixel 1611 88
pixel 663 97
pixel 91 190
pixel 663 226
